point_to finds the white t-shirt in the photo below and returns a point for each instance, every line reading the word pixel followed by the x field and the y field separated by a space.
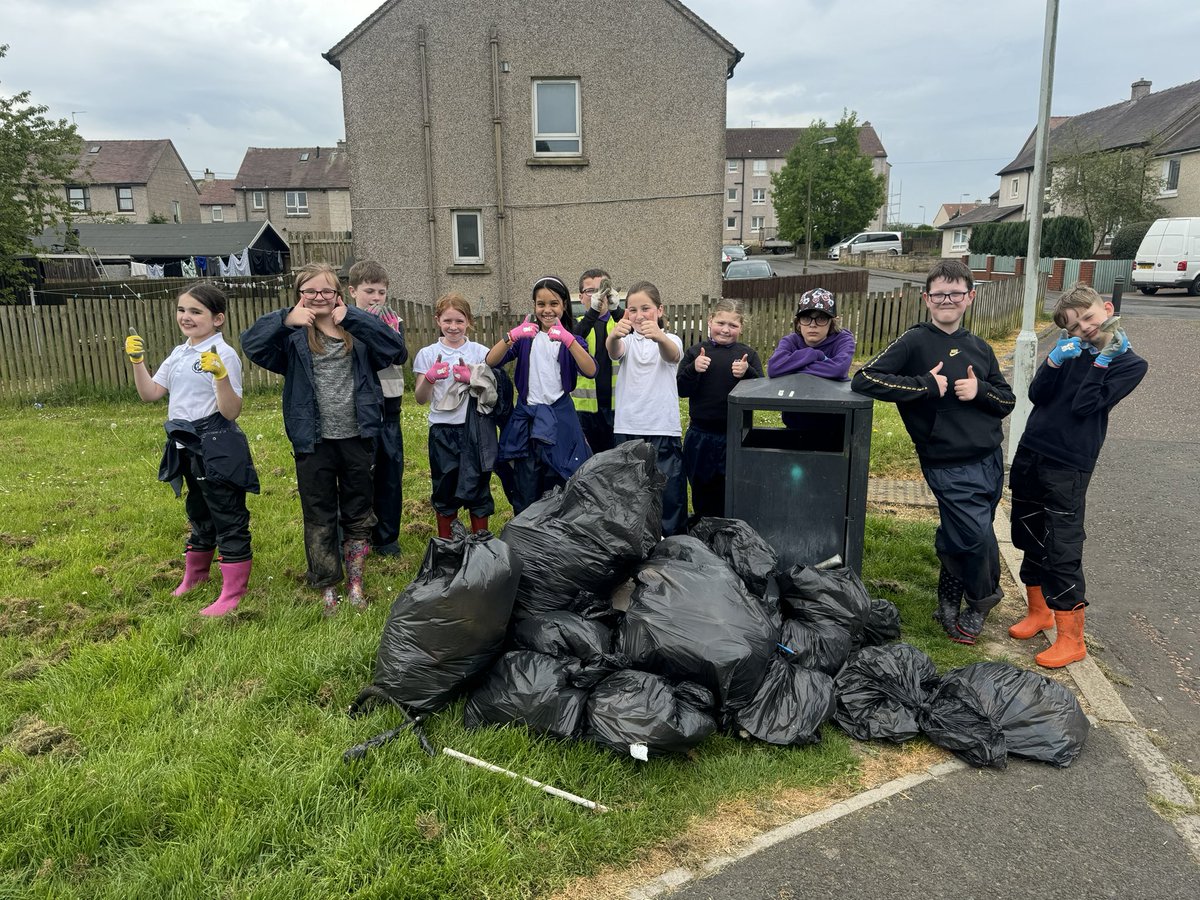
pixel 470 353
pixel 545 373
pixel 646 398
pixel 192 392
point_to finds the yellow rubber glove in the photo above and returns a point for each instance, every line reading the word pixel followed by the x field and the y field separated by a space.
pixel 135 348
pixel 210 361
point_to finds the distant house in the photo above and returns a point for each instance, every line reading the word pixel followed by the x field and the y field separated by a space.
pixel 133 181
pixel 218 200
pixel 949 211
pixel 300 188
pixel 1168 119
pixel 956 231
pixel 752 154
pixel 495 143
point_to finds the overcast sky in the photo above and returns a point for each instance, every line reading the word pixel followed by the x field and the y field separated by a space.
pixel 951 87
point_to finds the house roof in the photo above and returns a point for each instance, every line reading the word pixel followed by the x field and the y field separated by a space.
pixel 121 162
pixel 284 168
pixel 217 192
pixel 952 210
pixel 772 143
pixel 334 54
pixel 169 241
pixel 1172 115
pixel 986 212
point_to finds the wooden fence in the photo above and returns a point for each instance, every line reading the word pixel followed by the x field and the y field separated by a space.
pixel 76 336
pixel 333 247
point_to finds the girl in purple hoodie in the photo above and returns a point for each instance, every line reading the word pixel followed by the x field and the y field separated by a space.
pixel 818 345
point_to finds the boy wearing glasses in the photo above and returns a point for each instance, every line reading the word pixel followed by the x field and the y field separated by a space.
pixel 593 397
pixel 951 396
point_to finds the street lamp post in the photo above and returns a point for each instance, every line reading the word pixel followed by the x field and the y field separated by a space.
pixel 808 205
pixel 922 209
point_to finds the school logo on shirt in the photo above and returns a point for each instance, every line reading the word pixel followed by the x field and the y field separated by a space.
pixel 196 367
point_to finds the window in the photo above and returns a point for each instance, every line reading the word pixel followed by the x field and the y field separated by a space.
pixel 303 157
pixel 731 193
pixel 962 237
pixel 296 203
pixel 756 223
pixel 124 199
pixel 1170 176
pixel 556 129
pixel 258 200
pixel 731 165
pixel 731 223
pixel 79 198
pixel 468 237
pixel 1014 188
pixel 175 214
pixel 759 195
pixel 760 167
pixel 218 214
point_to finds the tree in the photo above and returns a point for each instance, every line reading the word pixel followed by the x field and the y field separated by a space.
pixel 1106 187
pixel 846 193
pixel 37 157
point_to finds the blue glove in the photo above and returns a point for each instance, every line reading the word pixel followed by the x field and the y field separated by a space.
pixel 1066 348
pixel 1118 345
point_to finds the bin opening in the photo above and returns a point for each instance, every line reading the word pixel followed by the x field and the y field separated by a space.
pixel 809 432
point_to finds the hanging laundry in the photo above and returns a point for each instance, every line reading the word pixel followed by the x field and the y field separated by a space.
pixel 188 268
pixel 154 271
pixel 226 270
pixel 139 270
pixel 239 265
pixel 202 265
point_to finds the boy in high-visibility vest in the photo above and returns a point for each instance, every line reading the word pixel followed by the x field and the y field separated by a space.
pixel 593 397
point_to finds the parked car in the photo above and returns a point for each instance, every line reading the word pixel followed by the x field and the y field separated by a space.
pixel 1169 256
pixel 869 242
pixel 730 253
pixel 749 268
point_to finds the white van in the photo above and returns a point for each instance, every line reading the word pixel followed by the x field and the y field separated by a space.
pixel 869 242
pixel 1169 256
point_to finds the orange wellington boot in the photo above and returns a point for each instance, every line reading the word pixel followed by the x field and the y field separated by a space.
pixel 1039 617
pixel 1068 646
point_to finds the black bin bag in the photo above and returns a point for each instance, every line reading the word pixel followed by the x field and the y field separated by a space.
pixel 549 694
pixel 826 595
pixel 640 714
pixel 790 706
pixel 447 627
pixel 883 623
pixel 881 690
pixel 690 618
pixel 587 536
pixel 1035 717
pixel 742 547
pixel 586 636
pixel 823 646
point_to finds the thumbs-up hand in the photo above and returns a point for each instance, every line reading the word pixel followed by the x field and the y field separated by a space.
pixel 462 372
pixel 741 365
pixel 438 371
pixel 135 347
pixel 939 379
pixel 526 329
pixel 967 388
pixel 556 332
pixel 703 361
pixel 210 361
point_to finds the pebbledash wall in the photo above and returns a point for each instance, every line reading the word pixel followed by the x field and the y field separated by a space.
pixel 643 199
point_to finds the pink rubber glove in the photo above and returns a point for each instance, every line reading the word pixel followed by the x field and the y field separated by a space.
pixel 524 330
pixel 558 333
pixel 438 371
pixel 462 373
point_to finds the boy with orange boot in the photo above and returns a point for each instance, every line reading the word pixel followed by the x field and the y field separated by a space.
pixel 1086 374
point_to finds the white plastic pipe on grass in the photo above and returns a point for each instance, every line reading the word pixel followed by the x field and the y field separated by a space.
pixel 549 789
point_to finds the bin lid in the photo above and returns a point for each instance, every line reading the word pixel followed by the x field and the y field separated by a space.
pixel 796 391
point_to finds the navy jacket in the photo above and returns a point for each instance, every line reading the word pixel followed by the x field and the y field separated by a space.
pixel 278 347
pixel 220 448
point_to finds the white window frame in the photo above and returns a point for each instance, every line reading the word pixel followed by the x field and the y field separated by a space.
pixel 760 167
pixel 731 223
pixel 218 214
pixel 1014 187
pixel 961 239
pixel 258 200
pixel 128 196
pixel 758 196
pixel 79 197
pixel 757 223
pixel 292 204
pixel 576 135
pixel 1168 165
pixel 731 165
pixel 731 195
pixel 477 215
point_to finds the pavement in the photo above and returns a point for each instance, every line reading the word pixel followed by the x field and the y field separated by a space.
pixel 1123 820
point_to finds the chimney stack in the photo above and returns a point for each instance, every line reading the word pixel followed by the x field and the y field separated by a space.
pixel 1139 89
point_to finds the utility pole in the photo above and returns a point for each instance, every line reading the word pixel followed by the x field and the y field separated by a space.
pixel 808 204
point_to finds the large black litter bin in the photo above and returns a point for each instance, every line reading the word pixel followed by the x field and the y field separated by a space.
pixel 802 488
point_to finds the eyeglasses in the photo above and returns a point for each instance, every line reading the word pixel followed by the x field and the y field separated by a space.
pixel 813 320
pixel 951 296
pixel 588 291
pixel 311 293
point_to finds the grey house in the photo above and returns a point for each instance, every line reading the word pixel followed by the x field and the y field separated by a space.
pixel 497 141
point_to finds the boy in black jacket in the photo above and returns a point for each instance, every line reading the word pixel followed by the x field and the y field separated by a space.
pixel 1086 374
pixel 952 397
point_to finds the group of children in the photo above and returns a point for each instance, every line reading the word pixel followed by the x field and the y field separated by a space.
pixel 585 386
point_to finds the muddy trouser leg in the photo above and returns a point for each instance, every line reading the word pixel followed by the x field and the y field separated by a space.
pixel 389 476
pixel 317 480
pixel 356 491
pixel 1063 495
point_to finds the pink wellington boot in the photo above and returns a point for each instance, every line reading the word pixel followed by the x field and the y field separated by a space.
pixel 196 564
pixel 234 577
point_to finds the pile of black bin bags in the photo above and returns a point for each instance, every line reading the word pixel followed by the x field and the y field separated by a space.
pixel 582 622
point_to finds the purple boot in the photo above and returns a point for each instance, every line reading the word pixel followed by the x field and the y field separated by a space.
pixel 196 564
pixel 234 577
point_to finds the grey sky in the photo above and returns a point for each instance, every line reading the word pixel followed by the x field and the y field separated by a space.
pixel 951 87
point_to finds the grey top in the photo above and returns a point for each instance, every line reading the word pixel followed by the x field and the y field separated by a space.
pixel 333 377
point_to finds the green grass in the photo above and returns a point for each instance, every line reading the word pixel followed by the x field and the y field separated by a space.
pixel 195 758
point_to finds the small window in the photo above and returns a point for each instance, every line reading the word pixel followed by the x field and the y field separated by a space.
pixel 731 165
pixel 175 213
pixel 296 203
pixel 556 129
pixel 468 237
pixel 756 223
pixel 760 167
pixel 95 148
pixel 1171 176
pixel 218 214
pixel 1014 188
pixel 759 195
pixel 124 199
pixel 258 200
pixel 303 157
pixel 731 223
pixel 80 198
pixel 962 237
pixel 731 193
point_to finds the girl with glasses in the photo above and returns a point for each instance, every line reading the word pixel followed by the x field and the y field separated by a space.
pixel 328 353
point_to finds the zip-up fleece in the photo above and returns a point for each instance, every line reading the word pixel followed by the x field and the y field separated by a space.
pixel 945 430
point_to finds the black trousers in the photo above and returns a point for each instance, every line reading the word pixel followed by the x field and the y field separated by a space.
pixel 217 513
pixel 704 463
pixel 532 477
pixel 598 429
pixel 445 452
pixel 335 483
pixel 670 463
pixel 966 544
pixel 389 476
pixel 1047 526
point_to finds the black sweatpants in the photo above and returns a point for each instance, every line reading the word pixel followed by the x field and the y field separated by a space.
pixel 216 512
pixel 445 452
pixel 335 489
pixel 965 541
pixel 670 463
pixel 389 476
pixel 1047 526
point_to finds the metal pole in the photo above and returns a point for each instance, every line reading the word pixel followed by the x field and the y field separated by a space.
pixel 808 222
pixel 1025 355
